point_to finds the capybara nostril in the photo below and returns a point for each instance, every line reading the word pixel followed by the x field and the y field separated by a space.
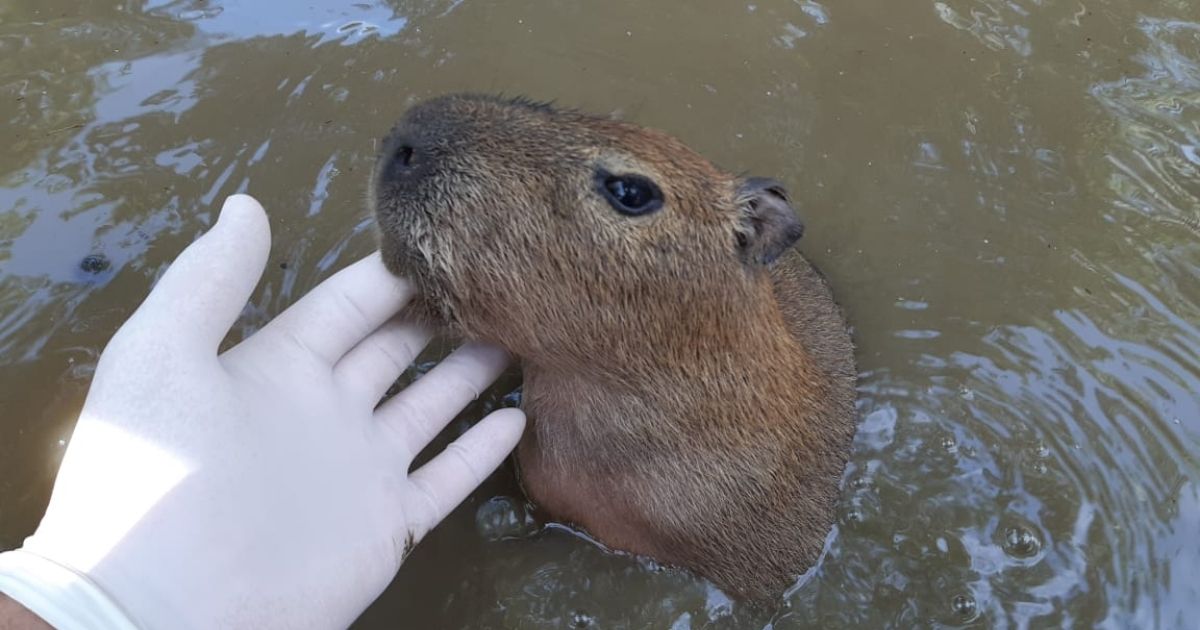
pixel 405 159
pixel 404 156
pixel 404 163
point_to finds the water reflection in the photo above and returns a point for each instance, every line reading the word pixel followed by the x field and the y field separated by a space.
pixel 1154 168
pixel 996 25
pixel 1004 194
pixel 320 22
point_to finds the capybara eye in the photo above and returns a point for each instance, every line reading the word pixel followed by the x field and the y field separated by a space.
pixel 631 195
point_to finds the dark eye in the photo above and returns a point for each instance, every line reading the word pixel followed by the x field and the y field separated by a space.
pixel 632 195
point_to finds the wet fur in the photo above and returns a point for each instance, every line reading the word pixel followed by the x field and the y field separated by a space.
pixel 687 400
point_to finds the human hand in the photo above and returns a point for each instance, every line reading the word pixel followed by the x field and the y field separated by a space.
pixel 260 487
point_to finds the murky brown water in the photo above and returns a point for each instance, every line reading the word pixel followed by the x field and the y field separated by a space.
pixel 1005 193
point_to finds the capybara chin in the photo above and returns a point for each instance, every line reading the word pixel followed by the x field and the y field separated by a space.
pixel 688 378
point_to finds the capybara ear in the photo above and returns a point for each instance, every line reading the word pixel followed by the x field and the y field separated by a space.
pixel 767 225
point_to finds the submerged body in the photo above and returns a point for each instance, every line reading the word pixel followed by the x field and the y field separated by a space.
pixel 688 378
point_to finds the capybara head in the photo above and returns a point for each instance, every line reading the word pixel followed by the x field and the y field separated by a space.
pixel 564 236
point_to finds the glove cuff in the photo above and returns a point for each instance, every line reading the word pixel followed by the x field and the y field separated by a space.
pixel 61 596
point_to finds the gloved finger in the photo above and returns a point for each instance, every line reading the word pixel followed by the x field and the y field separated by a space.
pixel 341 311
pixel 419 412
pixel 204 291
pixel 374 364
pixel 440 485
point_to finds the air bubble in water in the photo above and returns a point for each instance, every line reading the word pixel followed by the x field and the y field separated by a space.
pixel 94 263
pixel 1020 542
pixel 501 517
pixel 964 606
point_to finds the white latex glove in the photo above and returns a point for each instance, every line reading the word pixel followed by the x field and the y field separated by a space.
pixel 259 488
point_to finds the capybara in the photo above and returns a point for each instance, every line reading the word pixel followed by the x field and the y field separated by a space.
pixel 688 378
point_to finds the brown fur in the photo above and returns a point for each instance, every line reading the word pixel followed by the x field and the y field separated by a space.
pixel 686 401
